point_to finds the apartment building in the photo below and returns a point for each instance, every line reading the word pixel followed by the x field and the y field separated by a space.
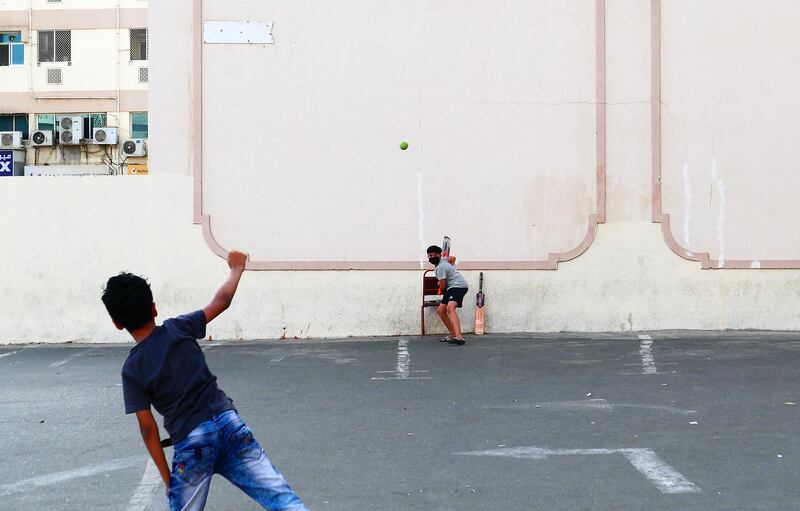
pixel 73 87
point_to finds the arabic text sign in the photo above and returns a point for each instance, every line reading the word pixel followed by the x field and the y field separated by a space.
pixel 6 163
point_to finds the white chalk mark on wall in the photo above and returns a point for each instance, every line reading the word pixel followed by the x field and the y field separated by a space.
pixel 421 222
pixel 663 476
pixel 687 211
pixel 720 185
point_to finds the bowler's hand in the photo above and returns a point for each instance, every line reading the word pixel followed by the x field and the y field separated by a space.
pixel 237 260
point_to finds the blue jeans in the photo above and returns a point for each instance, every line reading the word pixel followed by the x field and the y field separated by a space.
pixel 225 445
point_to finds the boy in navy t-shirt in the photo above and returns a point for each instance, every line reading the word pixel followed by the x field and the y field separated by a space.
pixel 167 369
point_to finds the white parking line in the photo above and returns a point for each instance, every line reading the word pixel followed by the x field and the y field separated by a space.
pixel 646 352
pixel 664 477
pixel 403 371
pixel 60 477
pixel 147 488
pixel 646 461
pixel 590 404
pixel 71 357
pixel 9 353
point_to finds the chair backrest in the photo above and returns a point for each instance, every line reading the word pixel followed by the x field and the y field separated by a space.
pixel 430 284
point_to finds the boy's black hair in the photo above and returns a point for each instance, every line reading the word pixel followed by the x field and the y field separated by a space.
pixel 128 299
pixel 434 249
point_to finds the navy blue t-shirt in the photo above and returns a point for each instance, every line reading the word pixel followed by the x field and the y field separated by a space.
pixel 168 370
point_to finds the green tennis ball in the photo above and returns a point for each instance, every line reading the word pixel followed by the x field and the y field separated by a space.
pixel 404 145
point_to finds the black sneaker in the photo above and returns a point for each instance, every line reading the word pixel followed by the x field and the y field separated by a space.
pixel 456 340
pixel 446 339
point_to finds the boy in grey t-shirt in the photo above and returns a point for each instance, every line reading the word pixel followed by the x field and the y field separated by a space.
pixel 454 286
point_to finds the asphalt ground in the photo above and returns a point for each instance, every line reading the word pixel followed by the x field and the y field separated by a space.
pixel 685 420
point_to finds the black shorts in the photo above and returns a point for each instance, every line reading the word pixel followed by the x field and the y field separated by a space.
pixel 454 294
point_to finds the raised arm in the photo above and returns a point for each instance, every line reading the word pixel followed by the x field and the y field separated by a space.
pixel 222 299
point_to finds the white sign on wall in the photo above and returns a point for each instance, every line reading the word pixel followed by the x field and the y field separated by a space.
pixel 237 32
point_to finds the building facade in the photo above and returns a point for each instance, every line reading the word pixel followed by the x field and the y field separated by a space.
pixel 73 85
pixel 609 165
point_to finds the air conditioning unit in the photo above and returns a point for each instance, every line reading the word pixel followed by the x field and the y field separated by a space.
pixel 71 130
pixel 10 140
pixel 135 147
pixel 104 136
pixel 42 138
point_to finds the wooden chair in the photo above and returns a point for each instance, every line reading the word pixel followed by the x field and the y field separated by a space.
pixel 430 288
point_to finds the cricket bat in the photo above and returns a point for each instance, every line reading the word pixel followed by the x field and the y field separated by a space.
pixel 445 250
pixel 479 310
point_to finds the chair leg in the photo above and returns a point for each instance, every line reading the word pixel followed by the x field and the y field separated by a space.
pixel 422 320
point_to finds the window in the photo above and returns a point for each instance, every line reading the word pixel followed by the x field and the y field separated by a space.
pixel 55 45
pixel 98 120
pixel 12 51
pixel 15 122
pixel 139 44
pixel 45 122
pixel 53 122
pixel 138 124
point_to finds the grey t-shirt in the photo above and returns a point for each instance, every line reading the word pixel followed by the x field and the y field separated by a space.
pixel 445 270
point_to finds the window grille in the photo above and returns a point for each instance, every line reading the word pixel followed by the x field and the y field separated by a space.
pixel 140 44
pixel 55 45
pixel 96 121
pixel 143 75
pixel 54 76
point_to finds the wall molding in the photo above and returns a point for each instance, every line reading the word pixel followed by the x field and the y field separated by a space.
pixel 551 263
pixel 659 216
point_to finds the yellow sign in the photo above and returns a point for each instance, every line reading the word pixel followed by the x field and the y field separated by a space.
pixel 137 170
